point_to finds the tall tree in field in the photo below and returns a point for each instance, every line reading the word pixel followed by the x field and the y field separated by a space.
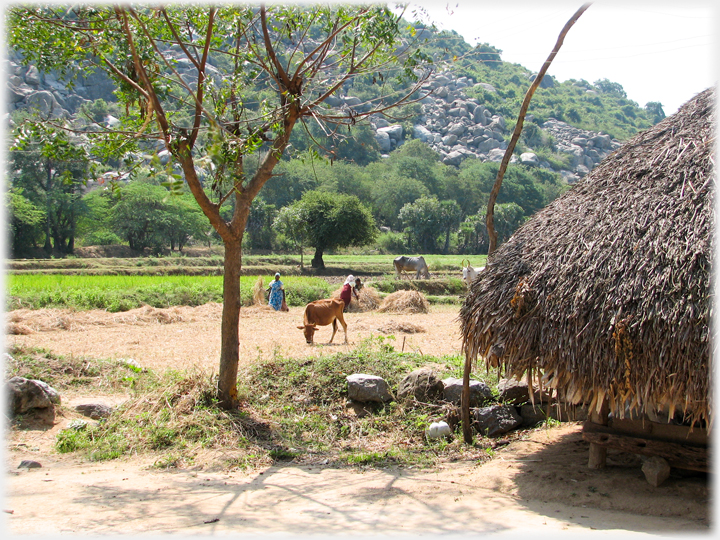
pixel 250 76
pixel 335 220
pixel 50 168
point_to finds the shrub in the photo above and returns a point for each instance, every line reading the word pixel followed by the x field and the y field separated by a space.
pixel 391 242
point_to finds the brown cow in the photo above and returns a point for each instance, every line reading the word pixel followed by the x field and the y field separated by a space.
pixel 322 313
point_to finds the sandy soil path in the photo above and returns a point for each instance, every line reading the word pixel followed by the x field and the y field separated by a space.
pixel 514 493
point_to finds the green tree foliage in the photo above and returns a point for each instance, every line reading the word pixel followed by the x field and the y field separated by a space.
pixel 473 237
pixel 292 222
pixel 608 87
pixel 655 110
pixel 95 225
pixel 26 222
pixel 335 221
pixel 139 216
pixel 51 170
pixel 147 217
pixel 391 192
pixel 259 225
pixel 422 223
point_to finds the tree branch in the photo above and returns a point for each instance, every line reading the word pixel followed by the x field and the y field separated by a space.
pixel 489 217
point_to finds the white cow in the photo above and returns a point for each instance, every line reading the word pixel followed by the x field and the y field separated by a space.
pixel 470 273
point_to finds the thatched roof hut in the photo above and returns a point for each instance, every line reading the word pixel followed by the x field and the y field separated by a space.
pixel 606 292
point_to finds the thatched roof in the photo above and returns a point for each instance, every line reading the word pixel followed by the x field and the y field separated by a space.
pixel 606 291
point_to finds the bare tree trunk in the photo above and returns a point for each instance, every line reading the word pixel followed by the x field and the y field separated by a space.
pixel 230 334
pixel 490 216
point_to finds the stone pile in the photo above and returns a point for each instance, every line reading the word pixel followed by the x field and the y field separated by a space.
pixel 493 413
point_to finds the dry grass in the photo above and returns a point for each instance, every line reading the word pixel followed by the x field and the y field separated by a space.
pixel 405 302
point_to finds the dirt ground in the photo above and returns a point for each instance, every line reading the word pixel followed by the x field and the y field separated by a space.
pixel 539 484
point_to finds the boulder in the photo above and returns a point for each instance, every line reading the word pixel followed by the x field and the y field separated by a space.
pixel 496 420
pixel 479 391
pixel 32 76
pixel 601 141
pixel 26 394
pixel 94 410
pixel 352 101
pixel 656 470
pixel 422 133
pixel 487 86
pixel 333 101
pixel 496 154
pixel 368 388
pixel 449 140
pixel 421 384
pixel 562 412
pixel 42 101
pixel 383 140
pixel 395 132
pixel 530 159
pixel 454 158
pixel 514 392
pixel 457 129
pixel 547 81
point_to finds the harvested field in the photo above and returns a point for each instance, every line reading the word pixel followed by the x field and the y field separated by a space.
pixel 183 337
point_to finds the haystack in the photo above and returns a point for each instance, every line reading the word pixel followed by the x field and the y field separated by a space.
pixel 258 292
pixel 606 292
pixel 405 302
pixel 368 300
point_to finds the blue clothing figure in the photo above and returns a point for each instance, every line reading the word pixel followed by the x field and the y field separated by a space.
pixel 277 293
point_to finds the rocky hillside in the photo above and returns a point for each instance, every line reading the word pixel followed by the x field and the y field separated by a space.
pixel 456 127
pixel 453 124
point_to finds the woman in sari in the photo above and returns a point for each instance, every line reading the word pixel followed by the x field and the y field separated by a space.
pixel 277 293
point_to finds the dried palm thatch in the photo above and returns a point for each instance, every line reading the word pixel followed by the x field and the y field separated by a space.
pixel 405 302
pixel 606 292
pixel 368 300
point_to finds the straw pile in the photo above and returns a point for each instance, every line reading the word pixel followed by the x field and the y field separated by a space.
pixel 394 327
pixel 368 300
pixel 16 329
pixel 258 292
pixel 405 302
pixel 606 292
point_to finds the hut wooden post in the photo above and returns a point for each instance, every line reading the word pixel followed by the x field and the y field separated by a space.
pixel 465 401
pixel 598 454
